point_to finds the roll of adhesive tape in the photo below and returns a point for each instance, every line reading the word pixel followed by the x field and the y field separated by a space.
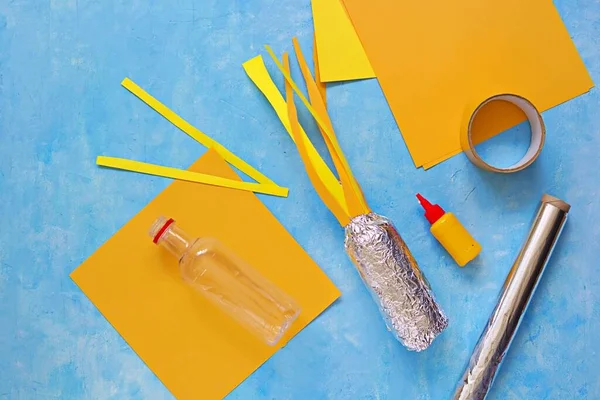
pixel 538 134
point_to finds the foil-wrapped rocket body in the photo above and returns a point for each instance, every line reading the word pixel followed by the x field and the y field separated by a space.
pixel 395 281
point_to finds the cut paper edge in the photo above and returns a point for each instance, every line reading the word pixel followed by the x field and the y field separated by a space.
pixel 189 176
pixel 323 191
pixel 320 84
pixel 344 57
pixel 432 164
pixel 355 201
pixel 195 133
pixel 257 72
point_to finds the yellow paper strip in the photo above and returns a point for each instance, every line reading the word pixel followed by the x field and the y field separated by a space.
pixel 353 194
pixel 323 191
pixel 195 132
pixel 303 98
pixel 313 112
pixel 257 72
pixel 184 175
pixel 341 54
pixel 320 84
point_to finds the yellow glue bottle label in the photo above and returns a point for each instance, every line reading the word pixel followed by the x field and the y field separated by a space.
pixel 456 239
pixel 448 230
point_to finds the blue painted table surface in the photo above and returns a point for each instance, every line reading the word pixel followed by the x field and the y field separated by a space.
pixel 61 105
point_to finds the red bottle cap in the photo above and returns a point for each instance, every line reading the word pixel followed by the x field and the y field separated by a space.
pixel 433 212
pixel 162 230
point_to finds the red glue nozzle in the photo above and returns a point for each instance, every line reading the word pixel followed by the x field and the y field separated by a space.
pixel 433 212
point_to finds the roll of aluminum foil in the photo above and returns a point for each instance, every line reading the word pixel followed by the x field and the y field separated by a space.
pixel 395 281
pixel 513 301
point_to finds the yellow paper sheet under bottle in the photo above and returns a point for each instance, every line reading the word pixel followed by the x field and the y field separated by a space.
pixel 193 348
pixel 432 58
pixel 341 55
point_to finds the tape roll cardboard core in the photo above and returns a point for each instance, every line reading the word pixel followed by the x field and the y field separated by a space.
pixel 538 134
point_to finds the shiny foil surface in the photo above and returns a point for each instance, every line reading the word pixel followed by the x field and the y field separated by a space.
pixel 395 281
pixel 513 301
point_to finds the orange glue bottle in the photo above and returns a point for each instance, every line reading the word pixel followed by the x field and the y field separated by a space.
pixel 448 230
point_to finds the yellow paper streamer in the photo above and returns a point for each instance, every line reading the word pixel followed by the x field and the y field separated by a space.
pixel 184 175
pixel 195 132
pixel 313 112
pixel 345 200
pixel 320 84
pixel 257 72
pixel 355 201
pixel 322 189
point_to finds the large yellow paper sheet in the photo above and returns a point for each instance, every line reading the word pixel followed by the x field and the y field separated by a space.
pixel 193 348
pixel 340 53
pixel 434 58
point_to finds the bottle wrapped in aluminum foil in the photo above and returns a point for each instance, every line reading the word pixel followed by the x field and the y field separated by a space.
pixel 394 279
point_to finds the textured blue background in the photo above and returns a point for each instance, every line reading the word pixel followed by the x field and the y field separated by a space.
pixel 61 62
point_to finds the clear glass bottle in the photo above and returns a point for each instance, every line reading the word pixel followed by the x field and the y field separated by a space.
pixel 228 282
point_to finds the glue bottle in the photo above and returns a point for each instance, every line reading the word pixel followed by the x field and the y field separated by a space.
pixel 448 230
pixel 227 281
